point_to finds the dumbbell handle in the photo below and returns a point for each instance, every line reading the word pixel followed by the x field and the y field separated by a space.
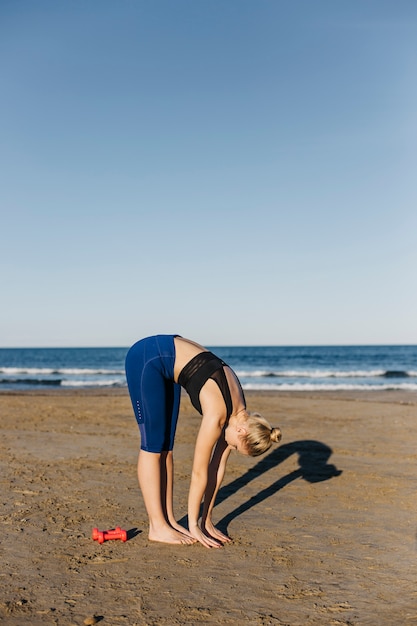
pixel 107 535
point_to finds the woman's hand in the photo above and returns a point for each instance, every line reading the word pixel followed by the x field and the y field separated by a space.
pixel 211 531
pixel 206 540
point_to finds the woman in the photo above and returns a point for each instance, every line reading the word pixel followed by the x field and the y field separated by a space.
pixel 156 368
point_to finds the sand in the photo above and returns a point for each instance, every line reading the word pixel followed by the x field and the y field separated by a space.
pixel 324 526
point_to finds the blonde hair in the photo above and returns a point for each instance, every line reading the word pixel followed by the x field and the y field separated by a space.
pixel 260 434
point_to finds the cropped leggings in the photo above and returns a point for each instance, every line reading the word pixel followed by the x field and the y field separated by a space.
pixel 154 394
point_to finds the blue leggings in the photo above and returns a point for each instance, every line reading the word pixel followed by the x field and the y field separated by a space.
pixel 154 394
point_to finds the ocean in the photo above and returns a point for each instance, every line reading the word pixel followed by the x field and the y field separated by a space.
pixel 327 368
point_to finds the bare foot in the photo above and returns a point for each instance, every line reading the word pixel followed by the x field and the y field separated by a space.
pixel 181 529
pixel 169 535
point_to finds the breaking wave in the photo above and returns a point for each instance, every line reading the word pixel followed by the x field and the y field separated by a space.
pixel 326 374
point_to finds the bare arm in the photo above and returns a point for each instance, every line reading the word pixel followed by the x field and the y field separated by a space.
pixel 203 480
pixel 216 473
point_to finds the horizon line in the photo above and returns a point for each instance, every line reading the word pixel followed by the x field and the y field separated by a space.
pixel 214 345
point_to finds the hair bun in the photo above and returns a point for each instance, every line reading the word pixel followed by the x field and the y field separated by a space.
pixel 276 434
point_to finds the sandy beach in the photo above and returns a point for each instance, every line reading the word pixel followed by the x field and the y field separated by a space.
pixel 323 526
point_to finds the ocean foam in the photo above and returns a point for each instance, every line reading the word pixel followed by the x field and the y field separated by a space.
pixel 65 371
pixel 325 374
pixel 93 383
pixel 329 387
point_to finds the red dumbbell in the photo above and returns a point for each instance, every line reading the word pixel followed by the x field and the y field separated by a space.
pixel 106 535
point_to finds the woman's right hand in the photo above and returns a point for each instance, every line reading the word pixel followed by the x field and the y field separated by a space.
pixel 211 531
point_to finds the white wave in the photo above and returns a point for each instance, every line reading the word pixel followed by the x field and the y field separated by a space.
pixel 328 387
pixel 88 372
pixel 65 371
pixel 312 374
pixel 115 382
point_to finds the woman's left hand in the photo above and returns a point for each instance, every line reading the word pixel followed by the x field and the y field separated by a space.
pixel 207 540
pixel 210 530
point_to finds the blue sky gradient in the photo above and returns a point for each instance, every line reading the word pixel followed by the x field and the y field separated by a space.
pixel 237 172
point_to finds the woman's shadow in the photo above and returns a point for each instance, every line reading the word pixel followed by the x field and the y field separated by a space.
pixel 313 467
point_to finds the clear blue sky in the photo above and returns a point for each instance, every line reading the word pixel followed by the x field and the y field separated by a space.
pixel 238 172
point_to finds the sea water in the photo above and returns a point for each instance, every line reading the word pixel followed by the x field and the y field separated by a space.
pixel 328 368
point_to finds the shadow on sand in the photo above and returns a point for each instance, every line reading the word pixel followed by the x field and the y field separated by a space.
pixel 313 467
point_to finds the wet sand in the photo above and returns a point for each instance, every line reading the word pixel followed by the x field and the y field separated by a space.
pixel 323 526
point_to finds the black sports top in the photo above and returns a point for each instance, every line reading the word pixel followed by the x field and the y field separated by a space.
pixel 196 373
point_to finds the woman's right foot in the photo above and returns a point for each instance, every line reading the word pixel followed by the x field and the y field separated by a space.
pixel 169 535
